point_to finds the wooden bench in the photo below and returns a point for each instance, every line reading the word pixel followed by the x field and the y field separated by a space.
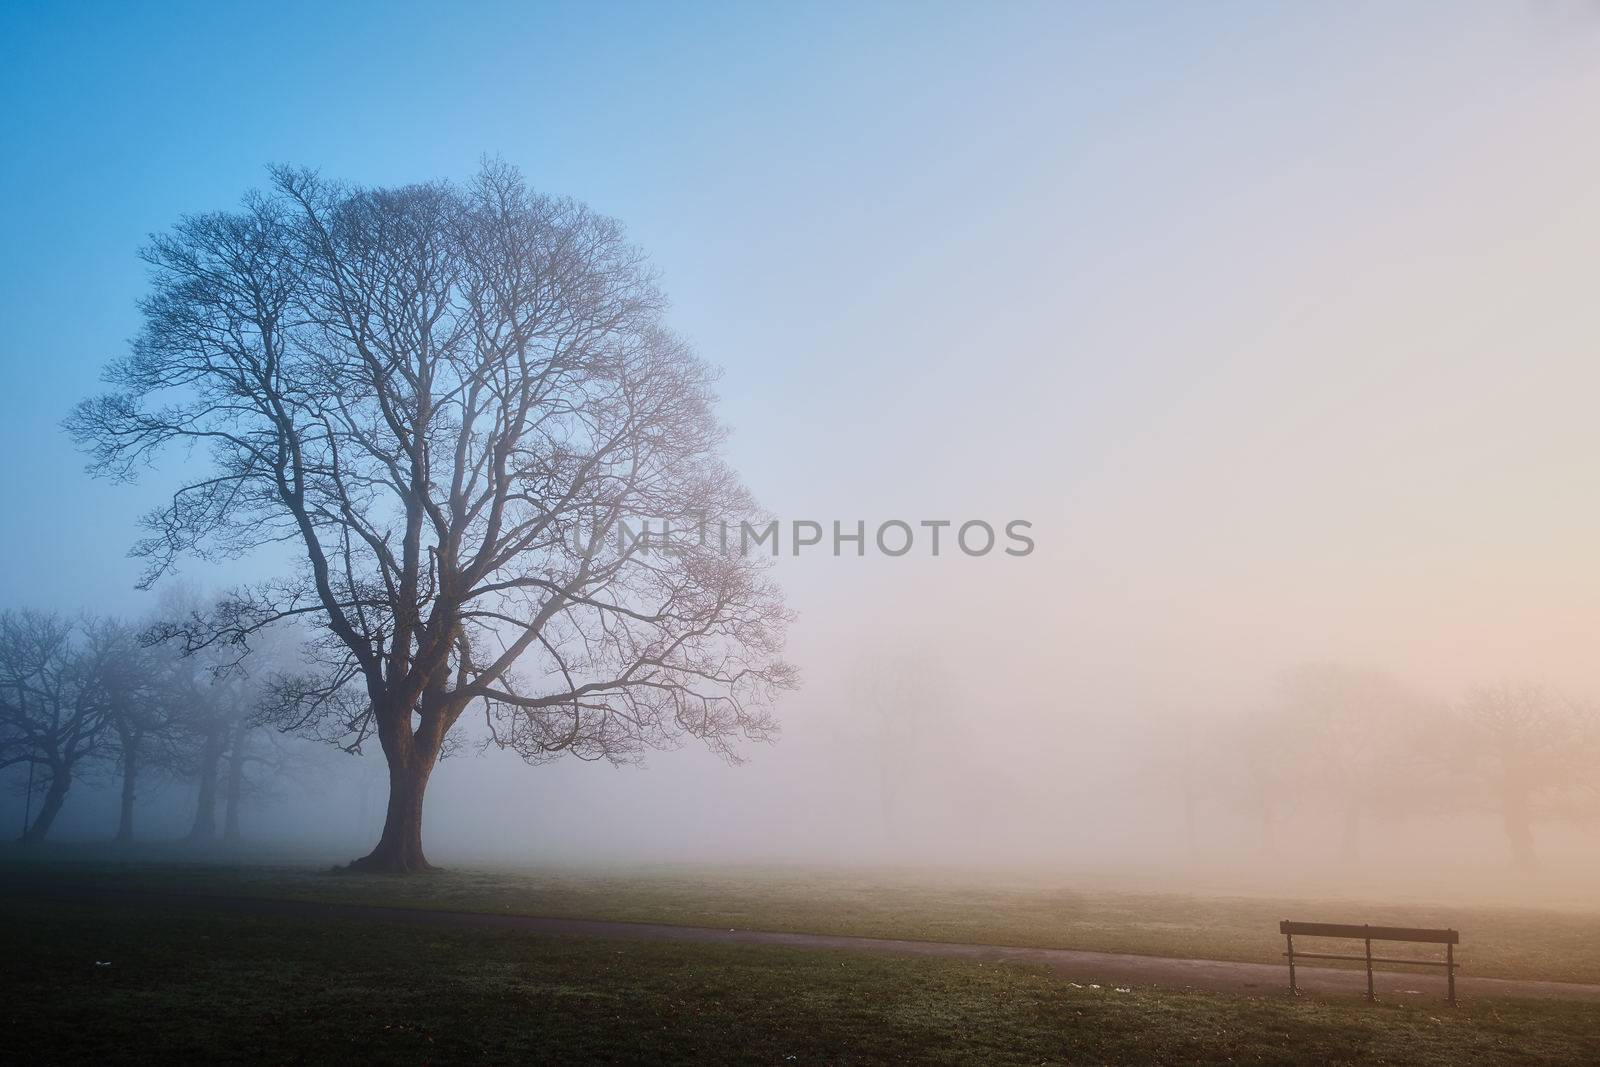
pixel 1448 938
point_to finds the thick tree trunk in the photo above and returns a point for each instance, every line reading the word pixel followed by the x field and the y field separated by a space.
pixel 54 796
pixel 235 786
pixel 411 755
pixel 205 811
pixel 399 849
pixel 130 779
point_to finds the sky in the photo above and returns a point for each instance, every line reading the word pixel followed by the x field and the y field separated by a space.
pixel 1276 321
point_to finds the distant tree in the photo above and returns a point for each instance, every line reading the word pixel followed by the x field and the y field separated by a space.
pixel 214 710
pixel 241 750
pixel 1346 735
pixel 1254 771
pixel 202 693
pixel 262 762
pixel 204 702
pixel 259 759
pixel 53 707
pixel 219 740
pixel 256 759
pixel 1176 754
pixel 898 698
pixel 130 673
pixel 1524 752
pixel 447 399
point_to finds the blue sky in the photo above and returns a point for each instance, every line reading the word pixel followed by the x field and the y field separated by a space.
pixel 810 179
pixel 1127 270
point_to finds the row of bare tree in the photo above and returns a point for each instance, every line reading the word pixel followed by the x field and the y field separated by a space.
pixel 1355 747
pixel 91 697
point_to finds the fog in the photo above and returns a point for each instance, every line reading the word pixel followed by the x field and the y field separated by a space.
pixel 1278 333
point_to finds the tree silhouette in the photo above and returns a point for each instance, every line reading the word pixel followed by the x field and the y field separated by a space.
pixel 447 400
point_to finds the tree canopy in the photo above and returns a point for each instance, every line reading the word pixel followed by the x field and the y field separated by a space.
pixel 445 398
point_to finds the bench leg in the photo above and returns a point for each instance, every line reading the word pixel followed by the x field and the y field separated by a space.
pixel 1371 995
pixel 1293 989
pixel 1450 970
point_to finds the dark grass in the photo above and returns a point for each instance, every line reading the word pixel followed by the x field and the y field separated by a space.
pixel 1530 943
pixel 192 986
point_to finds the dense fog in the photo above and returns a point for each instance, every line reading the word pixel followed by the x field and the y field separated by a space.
pixel 1292 386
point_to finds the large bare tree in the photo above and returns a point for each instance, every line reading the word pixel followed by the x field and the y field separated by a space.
pixel 447 399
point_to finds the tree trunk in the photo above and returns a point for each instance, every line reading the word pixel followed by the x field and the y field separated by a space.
pixel 235 787
pixel 205 811
pixel 130 778
pixel 399 850
pixel 411 756
pixel 53 798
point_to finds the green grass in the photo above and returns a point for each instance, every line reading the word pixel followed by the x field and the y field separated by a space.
pixel 193 986
pixel 1558 945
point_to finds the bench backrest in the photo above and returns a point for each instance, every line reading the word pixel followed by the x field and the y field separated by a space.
pixel 1374 933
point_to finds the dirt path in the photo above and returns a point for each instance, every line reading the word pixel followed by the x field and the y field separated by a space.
pixel 1103 968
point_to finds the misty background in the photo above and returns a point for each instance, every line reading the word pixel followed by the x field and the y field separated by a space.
pixel 1277 323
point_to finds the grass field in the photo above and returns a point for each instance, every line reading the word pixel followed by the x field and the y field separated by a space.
pixel 192 986
pixel 1553 944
